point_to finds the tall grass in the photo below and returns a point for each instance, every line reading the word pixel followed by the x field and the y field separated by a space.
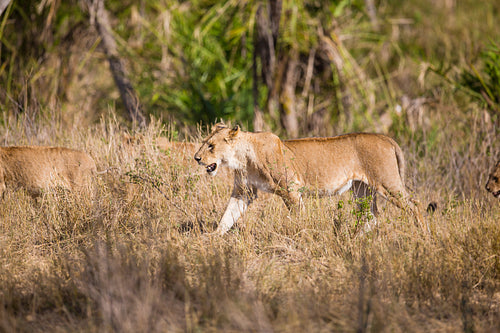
pixel 134 257
pixel 137 254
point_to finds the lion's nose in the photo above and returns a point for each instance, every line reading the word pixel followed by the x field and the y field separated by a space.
pixel 197 158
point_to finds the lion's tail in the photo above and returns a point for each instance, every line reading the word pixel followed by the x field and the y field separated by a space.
pixel 401 162
pixel 400 158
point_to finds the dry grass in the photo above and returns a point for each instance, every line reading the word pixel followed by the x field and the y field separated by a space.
pixel 137 255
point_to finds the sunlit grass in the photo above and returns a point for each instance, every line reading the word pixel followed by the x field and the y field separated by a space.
pixel 135 257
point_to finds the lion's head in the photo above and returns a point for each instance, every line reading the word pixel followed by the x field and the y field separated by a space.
pixel 218 149
pixel 493 184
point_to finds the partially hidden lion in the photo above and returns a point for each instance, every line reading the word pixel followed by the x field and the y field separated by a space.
pixel 37 168
pixel 162 143
pixel 373 164
pixel 181 148
pixel 493 184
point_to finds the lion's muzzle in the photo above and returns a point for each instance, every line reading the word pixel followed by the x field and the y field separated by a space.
pixel 496 194
pixel 211 168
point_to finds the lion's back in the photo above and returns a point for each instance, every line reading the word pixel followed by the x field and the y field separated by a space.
pixel 343 148
pixel 375 155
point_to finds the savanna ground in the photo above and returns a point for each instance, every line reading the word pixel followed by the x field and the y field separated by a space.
pixel 137 256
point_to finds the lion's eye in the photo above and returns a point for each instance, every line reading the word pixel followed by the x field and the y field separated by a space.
pixel 495 179
pixel 210 146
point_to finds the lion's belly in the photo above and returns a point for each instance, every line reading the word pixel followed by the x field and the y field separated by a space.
pixel 334 182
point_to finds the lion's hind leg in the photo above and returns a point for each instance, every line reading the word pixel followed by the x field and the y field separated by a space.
pixel 401 199
pixel 292 200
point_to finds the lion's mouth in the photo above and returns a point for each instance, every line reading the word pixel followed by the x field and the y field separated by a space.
pixel 211 168
pixel 496 194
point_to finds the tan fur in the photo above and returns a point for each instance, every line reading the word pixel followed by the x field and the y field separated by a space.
pixel 178 148
pixel 37 168
pixel 493 184
pixel 182 148
pixel 371 163
pixel 161 143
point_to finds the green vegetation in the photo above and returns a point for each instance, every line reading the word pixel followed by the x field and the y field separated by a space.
pixel 193 61
pixel 138 256
pixel 485 86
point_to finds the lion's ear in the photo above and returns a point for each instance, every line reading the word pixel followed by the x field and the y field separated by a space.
pixel 218 126
pixel 234 132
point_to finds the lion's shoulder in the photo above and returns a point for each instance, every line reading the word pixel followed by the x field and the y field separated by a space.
pixel 262 143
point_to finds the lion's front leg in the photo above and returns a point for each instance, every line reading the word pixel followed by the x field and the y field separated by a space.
pixel 241 198
pixel 235 208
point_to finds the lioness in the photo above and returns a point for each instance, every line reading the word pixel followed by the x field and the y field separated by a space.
pixel 373 163
pixel 162 143
pixel 177 147
pixel 493 184
pixel 37 168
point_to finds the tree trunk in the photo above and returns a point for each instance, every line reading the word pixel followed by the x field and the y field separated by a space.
pixel 266 35
pixel 372 14
pixel 288 112
pixel 100 18
pixel 258 117
pixel 264 45
pixel 3 5
pixel 279 74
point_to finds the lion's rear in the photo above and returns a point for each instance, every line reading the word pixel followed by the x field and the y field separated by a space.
pixel 371 158
pixel 35 168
